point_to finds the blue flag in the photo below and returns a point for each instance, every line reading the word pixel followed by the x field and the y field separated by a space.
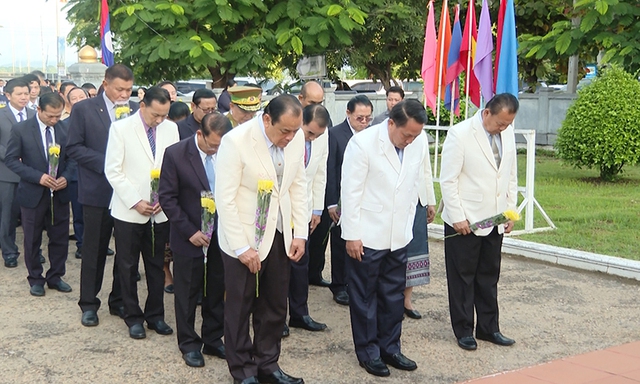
pixel 507 81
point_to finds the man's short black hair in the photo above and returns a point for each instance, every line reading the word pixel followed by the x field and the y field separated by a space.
pixel 282 104
pixel 203 93
pixel 15 83
pixel 408 109
pixel 118 71
pixel 317 113
pixel 65 85
pixel 360 99
pixel 178 111
pixel 88 86
pixel 158 94
pixel 215 122
pixel 51 99
pixel 396 89
pixel 503 101
pixel 30 78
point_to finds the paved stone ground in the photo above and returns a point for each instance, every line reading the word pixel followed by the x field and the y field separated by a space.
pixel 552 313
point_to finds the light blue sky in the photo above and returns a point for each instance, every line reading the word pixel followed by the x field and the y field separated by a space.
pixel 31 26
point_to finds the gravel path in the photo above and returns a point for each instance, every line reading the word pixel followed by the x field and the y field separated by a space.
pixel 552 312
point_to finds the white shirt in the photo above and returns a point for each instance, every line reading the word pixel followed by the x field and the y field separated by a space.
pixel 497 136
pixel 43 135
pixel 111 107
pixel 203 155
pixel 15 113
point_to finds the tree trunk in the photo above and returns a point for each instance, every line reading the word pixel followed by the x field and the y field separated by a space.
pixel 219 79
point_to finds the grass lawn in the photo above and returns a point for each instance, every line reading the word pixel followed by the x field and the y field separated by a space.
pixel 589 215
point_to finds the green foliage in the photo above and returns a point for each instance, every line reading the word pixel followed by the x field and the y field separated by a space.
pixel 173 39
pixel 602 127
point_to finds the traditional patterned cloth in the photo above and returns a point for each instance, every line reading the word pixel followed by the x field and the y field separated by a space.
pixel 418 251
pixel 168 254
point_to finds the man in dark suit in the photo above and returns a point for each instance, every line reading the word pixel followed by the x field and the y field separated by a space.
pixel 17 92
pixel 359 115
pixel 43 197
pixel 183 177
pixel 204 101
pixel 88 132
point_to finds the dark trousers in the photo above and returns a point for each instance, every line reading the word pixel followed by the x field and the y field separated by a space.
pixel 76 208
pixel 188 279
pixel 34 221
pixel 376 301
pixel 244 357
pixel 338 261
pixel 9 212
pixel 131 240
pixel 299 286
pixel 473 270
pixel 318 247
pixel 97 233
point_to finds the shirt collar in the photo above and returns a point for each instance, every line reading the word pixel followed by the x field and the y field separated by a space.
pixel 110 104
pixel 42 125
pixel 202 154
pixel 15 111
pixel 353 131
pixel 144 124
pixel 264 133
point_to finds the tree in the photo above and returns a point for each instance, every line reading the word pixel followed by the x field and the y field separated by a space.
pixel 602 127
pixel 607 26
pixel 174 40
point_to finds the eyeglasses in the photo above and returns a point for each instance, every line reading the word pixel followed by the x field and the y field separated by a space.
pixel 208 110
pixel 364 119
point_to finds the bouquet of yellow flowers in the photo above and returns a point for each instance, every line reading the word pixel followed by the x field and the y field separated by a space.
pixel 207 224
pixel 493 221
pixel 122 110
pixel 265 189
pixel 54 160
pixel 155 182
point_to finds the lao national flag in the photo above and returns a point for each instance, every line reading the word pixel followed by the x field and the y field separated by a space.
pixel 507 64
pixel 105 35
pixel 453 66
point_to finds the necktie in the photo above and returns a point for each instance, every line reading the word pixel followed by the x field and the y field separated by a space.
pixel 307 153
pixel 152 141
pixel 211 175
pixel 496 151
pixel 49 139
pixel 20 116
pixel 399 152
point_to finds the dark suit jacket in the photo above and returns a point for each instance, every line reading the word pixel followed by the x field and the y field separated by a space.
pixel 7 121
pixel 182 178
pixel 26 158
pixel 88 133
pixel 188 127
pixel 338 138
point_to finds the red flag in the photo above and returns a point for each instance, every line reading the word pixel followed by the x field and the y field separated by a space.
pixel 501 12
pixel 468 54
pixel 442 53
pixel 429 60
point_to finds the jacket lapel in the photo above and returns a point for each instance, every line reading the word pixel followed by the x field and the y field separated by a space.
pixel 138 128
pixel 481 137
pixel 260 146
pixel 101 108
pixel 388 149
pixel 196 163
pixel 37 136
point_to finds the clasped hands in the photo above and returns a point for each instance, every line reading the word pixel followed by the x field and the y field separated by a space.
pixel 145 208
pixel 52 183
pixel 251 259
pixel 462 227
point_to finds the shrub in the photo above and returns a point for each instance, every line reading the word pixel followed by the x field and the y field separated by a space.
pixel 602 127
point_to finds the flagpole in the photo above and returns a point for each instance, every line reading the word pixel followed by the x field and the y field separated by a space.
pixel 435 160
pixel 469 69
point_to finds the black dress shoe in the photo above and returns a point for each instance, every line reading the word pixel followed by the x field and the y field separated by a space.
pixel 117 311
pixel 169 288
pixel 468 343
pixel 199 298
pixel 306 322
pixel 136 331
pixel 42 259
pixel 110 252
pixel 89 318
pixel 320 283
pixel 412 313
pixel 160 327
pixel 11 263
pixel 341 298
pixel 495 338
pixel 138 277
pixel 248 380
pixel 215 351
pixel 61 286
pixel 37 290
pixel 285 331
pixel 375 367
pixel 78 253
pixel 279 377
pixel 400 361
pixel 193 359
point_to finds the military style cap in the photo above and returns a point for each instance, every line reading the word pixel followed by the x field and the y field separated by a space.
pixel 246 98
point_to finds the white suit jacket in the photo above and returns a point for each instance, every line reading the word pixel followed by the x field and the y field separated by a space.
pixel 473 188
pixel 128 164
pixel 243 159
pixel 316 172
pixel 379 193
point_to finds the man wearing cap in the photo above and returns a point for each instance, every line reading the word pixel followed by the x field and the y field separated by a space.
pixel 245 102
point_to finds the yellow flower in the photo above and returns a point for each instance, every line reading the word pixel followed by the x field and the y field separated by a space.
pixel 208 204
pixel 155 173
pixel 54 150
pixel 512 215
pixel 265 185
pixel 123 110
